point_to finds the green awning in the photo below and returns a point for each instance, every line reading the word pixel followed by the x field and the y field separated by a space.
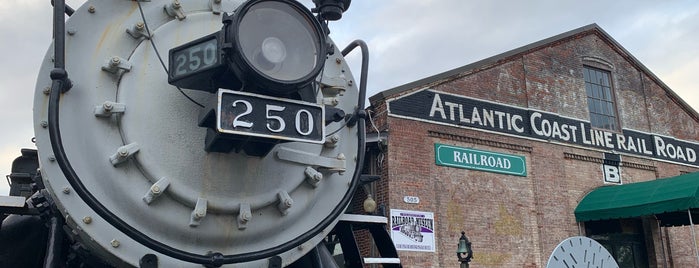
pixel 669 199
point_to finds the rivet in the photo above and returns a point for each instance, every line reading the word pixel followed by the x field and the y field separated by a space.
pixel 341 156
pixel 123 152
pixel 91 9
pixel 140 26
pixel 338 60
pixel 115 243
pixel 52 158
pixel 71 31
pixel 47 90
pixel 87 219
pixel 300 247
pixel 176 4
pixel 350 83
pixel 66 190
pixel 155 189
pixel 115 61
pixel 245 216
pixel 107 106
pixel 44 124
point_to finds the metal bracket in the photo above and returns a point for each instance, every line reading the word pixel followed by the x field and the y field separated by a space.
pixel 309 159
pixel 116 65
pixel 124 153
pixel 333 85
pixel 331 101
pixel 174 9
pixel 198 213
pixel 313 177
pixel 138 30
pixel 108 108
pixel 285 202
pixel 245 216
pixel 156 190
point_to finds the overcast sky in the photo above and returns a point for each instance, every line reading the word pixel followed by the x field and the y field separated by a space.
pixel 408 40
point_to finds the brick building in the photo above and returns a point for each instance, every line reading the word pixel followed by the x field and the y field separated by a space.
pixel 506 149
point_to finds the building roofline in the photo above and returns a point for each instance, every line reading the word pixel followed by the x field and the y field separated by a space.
pixel 489 62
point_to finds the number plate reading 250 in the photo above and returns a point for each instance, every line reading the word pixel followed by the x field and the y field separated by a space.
pixel 256 115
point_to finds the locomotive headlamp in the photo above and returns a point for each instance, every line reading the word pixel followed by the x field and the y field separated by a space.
pixel 276 46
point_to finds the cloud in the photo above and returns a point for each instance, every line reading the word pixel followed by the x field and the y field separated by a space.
pixel 413 39
pixel 408 40
pixel 684 77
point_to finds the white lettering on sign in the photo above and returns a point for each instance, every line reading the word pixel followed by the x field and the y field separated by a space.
pixel 437 107
pixel 636 145
pixel 597 138
pixel 674 152
pixel 611 174
pixel 455 112
pixel 460 111
pixel 481 160
pixel 552 129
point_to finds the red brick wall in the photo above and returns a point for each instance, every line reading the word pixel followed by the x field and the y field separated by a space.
pixel 517 221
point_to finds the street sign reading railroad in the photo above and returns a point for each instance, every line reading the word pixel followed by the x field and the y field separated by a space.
pixel 452 156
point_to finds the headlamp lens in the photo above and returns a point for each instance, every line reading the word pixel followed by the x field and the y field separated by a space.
pixel 273 50
pixel 279 42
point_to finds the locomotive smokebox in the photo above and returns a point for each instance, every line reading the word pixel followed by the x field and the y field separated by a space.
pixel 140 181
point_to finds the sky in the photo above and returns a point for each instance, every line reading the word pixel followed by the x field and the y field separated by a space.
pixel 408 40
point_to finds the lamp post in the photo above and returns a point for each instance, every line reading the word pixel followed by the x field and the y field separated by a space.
pixel 464 252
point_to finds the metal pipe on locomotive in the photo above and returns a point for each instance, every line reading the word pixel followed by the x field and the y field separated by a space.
pixel 183 133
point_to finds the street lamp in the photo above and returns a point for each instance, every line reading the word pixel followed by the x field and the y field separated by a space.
pixel 464 252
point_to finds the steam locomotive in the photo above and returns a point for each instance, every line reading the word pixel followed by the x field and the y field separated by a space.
pixel 192 133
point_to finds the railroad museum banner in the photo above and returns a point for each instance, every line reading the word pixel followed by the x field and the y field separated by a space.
pixel 412 230
pixel 454 110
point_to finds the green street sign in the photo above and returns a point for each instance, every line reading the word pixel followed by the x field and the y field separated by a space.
pixel 452 156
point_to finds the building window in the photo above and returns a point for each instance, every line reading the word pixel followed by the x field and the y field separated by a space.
pixel 600 99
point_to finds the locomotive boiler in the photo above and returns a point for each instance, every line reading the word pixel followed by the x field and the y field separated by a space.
pixel 191 133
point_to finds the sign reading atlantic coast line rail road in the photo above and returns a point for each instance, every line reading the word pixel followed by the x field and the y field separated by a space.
pixel 448 109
